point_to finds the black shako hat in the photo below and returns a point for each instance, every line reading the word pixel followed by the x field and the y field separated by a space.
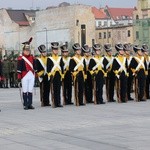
pixel 64 47
pixel 144 48
pixel 96 47
pixel 119 47
pixel 54 45
pixel 42 48
pixel 27 44
pixel 107 47
pixel 127 47
pixel 85 48
pixel 136 48
pixel 76 46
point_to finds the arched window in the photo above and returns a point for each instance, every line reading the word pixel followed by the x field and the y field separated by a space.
pixel 137 17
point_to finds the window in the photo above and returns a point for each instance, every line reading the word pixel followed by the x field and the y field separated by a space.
pixel 110 23
pixel 137 17
pixel 99 23
pixel 109 34
pixel 105 23
pixel 77 22
pixel 129 33
pixel 104 35
pixel 33 18
pixel 137 35
pixel 100 35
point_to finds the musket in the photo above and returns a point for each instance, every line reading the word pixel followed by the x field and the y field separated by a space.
pixel 63 94
pixel 107 88
pixel 84 95
pixel 94 90
pixel 118 90
pixel 77 87
pixel 136 89
pixel 76 92
pixel 145 97
pixel 52 92
pixel 41 93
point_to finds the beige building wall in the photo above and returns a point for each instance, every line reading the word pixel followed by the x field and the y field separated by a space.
pixel 12 35
pixel 64 24
pixel 85 16
pixel 8 32
pixel 115 35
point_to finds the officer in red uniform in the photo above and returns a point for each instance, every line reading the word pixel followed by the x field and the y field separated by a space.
pixel 25 70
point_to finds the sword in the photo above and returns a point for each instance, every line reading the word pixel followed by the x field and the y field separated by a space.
pixel 20 92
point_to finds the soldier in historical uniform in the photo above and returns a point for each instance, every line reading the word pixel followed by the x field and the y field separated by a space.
pixel 145 51
pixel 78 69
pixel 12 72
pixel 5 68
pixel 110 79
pixel 41 66
pixel 15 73
pixel 25 70
pixel 119 67
pixel 98 70
pixel 88 81
pixel 1 74
pixel 139 69
pixel 55 71
pixel 67 80
pixel 127 50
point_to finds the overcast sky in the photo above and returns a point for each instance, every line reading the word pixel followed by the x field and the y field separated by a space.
pixel 28 4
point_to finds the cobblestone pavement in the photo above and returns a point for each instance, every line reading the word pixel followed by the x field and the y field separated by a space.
pixel 112 126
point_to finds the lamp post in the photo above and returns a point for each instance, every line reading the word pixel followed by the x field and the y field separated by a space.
pixel 46 39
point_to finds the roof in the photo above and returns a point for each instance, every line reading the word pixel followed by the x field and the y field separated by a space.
pixel 120 13
pixel 99 13
pixel 19 17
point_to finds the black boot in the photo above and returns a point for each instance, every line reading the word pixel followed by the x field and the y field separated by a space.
pixel 25 103
pixel 30 101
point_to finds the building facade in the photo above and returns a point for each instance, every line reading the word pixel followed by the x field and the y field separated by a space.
pixel 116 25
pixel 65 23
pixel 74 23
pixel 142 22
pixel 15 28
pixel 116 34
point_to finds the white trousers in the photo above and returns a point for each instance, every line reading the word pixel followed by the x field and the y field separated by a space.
pixel 28 82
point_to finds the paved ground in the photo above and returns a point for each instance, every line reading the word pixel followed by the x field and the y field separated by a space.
pixel 93 127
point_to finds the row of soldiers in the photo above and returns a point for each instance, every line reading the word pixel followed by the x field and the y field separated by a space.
pixel 86 73
pixel 8 72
